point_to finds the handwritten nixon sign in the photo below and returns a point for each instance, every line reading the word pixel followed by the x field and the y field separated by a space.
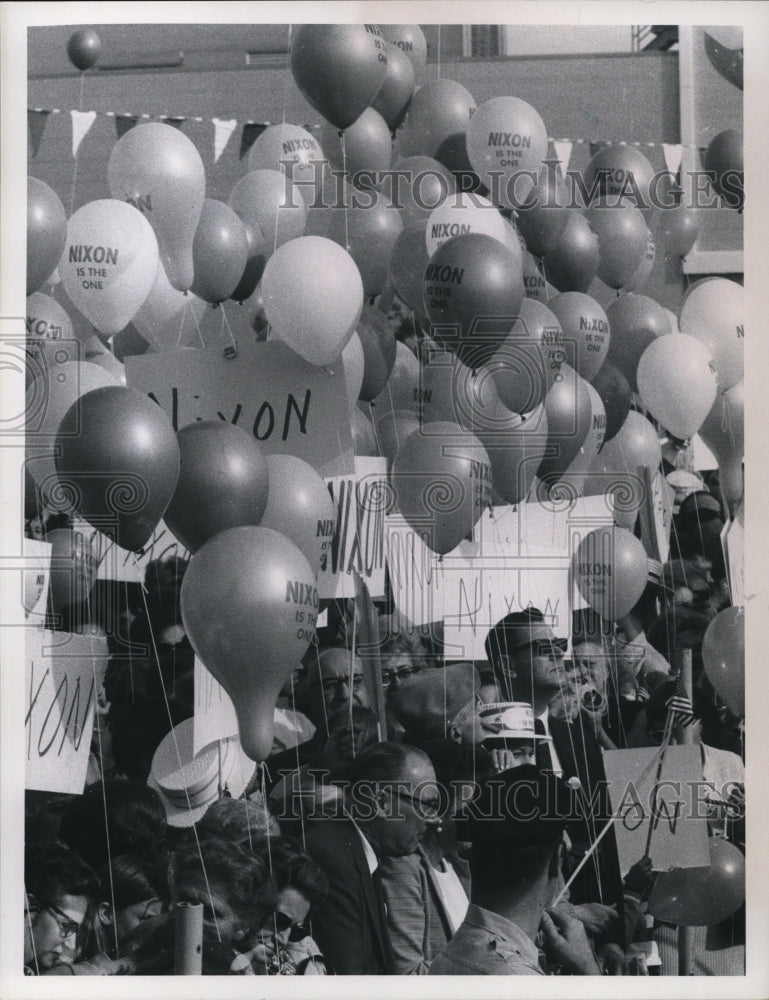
pixel 290 406
pixel 119 564
pixel 670 800
pixel 60 698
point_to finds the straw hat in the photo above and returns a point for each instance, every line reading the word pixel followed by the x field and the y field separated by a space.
pixel 189 783
pixel 508 720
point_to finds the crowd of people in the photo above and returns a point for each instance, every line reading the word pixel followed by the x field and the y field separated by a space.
pixel 346 853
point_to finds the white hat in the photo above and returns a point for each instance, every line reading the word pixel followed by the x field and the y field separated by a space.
pixel 511 720
pixel 188 783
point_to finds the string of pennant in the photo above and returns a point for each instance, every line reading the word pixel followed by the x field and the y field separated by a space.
pixel 251 130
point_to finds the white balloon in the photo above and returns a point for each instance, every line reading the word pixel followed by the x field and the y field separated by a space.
pixel 464 213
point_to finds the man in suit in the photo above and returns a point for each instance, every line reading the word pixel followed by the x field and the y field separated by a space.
pixel 390 800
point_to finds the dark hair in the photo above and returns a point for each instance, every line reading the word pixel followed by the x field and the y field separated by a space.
pixel 131 878
pixel 52 870
pixel 138 730
pixel 292 868
pixel 496 866
pixel 135 821
pixel 381 762
pixel 244 877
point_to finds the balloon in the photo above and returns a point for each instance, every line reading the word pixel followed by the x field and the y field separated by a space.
pixel 223 482
pixel 363 148
pixel 677 382
pixel 407 264
pixel 47 322
pixel 379 351
pixel 219 252
pixel 369 234
pixel 313 295
pixel 642 273
pixel 257 253
pixel 437 120
pixel 586 333
pixel 460 214
pixel 392 101
pixel 46 233
pixel 426 184
pixel 267 201
pixel 410 39
pixel 621 232
pixel 621 175
pixel 118 453
pixel 74 566
pixel 714 313
pixel 354 362
pixel 700 897
pixel 616 468
pixel 109 264
pixel 300 507
pixel 614 390
pixel 636 321
pixel 167 318
pixel 401 391
pixel 534 284
pixel 363 434
pixel 678 229
pixel 569 419
pixel 473 291
pixel 442 481
pixel 392 430
pixel 97 354
pixel 610 568
pixel 451 391
pixel 523 366
pixel 515 446
pixel 84 48
pixel 339 68
pixel 723 656
pixel 251 632
pixel 289 149
pixel 506 144
pixel 158 169
pixel 723 431
pixel 724 159
pixel 573 263
pixel 542 217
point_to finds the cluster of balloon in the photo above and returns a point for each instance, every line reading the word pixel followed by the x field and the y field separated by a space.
pixel 378 343
pixel 369 233
pixel 300 507
pixel 110 263
pixel 472 294
pixel 723 160
pixel 111 429
pixel 249 606
pixel 441 478
pixel 616 469
pixel 364 148
pixel 700 897
pixel 723 655
pixel 219 252
pixel 339 68
pixel 156 168
pixel 677 383
pixel 223 482
pixel 572 264
pixel 723 431
pixel 46 233
pixel 585 331
pixel 610 569
pixel 622 241
pixel 313 296
pixel 713 312
pixel 636 322
pixel 436 124
pixel 84 48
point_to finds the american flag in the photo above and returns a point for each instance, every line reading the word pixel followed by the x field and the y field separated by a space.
pixel 680 704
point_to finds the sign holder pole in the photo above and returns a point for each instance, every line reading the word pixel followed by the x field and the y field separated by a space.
pixel 685 934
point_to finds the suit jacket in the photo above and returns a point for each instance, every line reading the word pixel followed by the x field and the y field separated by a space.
pixel 349 926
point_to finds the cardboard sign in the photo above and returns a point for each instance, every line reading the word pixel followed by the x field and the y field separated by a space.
pixel 670 800
pixel 36 579
pixel 358 543
pixel 120 564
pixel 520 557
pixel 215 717
pixel 290 406
pixel 415 573
pixel 62 674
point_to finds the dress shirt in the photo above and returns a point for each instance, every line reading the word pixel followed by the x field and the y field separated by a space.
pixel 487 944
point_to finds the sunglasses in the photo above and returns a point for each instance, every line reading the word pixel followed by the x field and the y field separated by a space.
pixel 282 922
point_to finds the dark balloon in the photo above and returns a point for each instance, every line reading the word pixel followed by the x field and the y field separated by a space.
pixel 392 101
pixel 222 484
pixel 362 151
pixel 369 235
pixel 569 416
pixel 219 252
pixel 636 321
pixel 377 339
pixel 118 454
pixel 407 265
pixel 724 157
pixel 46 233
pixel 84 48
pixel 573 264
pixel 542 218
pixel 697 897
pixel 436 123
pixel 614 390
pixel 256 259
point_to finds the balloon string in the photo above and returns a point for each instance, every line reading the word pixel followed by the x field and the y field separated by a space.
pixel 77 155
pixel 344 171
pixel 377 440
pixel 227 331
pixel 197 326
pixel 439 51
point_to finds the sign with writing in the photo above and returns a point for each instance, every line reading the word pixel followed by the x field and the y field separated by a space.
pixel 415 573
pixel 358 543
pixel 290 406
pixel 119 564
pixel 669 800
pixel 214 717
pixel 520 557
pixel 62 674
pixel 36 579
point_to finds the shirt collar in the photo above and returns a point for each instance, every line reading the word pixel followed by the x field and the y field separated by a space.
pixel 372 860
pixel 501 927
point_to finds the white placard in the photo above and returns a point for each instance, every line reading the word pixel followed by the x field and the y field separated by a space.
pixel 215 717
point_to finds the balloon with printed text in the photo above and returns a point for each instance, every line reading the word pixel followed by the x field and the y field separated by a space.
pixel 621 175
pixel 714 312
pixel 290 149
pixel 392 101
pixel 410 39
pixel 617 467
pixel 586 334
pixel 610 569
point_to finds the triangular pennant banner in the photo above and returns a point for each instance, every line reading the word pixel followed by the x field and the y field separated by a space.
pixel 563 148
pixel 36 122
pixel 176 122
pixel 672 154
pixel 124 123
pixel 596 147
pixel 222 134
pixel 251 132
pixel 81 123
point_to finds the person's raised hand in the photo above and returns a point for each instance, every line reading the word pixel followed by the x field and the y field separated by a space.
pixel 566 942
